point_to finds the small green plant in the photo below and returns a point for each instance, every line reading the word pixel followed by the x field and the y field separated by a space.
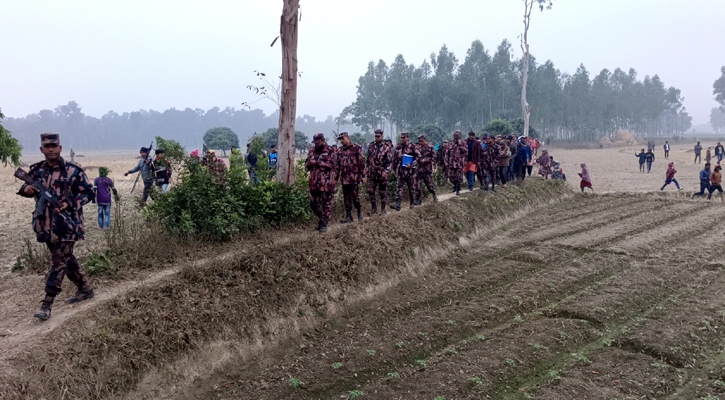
pixel 658 365
pixel 607 342
pixel 321 312
pixel 451 322
pixel 440 398
pixel 353 394
pixel 527 396
pixel 453 350
pixel 400 345
pixel 99 263
pixel 536 346
pixel 518 319
pixel 554 374
pixel 423 334
pixel 709 397
pixel 481 337
pixel 510 362
pixel 476 380
pixel 370 352
pixel 336 365
pixel 421 363
pixel 393 375
pixel 719 383
pixel 563 335
pixel 295 383
pixel 581 358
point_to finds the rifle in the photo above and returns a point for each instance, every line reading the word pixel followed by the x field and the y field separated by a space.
pixel 45 197
pixel 148 154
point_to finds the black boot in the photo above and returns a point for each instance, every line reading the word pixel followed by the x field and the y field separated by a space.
pixel 348 217
pixel 319 224
pixel 323 226
pixel 458 190
pixel 412 204
pixel 44 312
pixel 435 198
pixel 359 215
pixel 382 209
pixel 396 206
pixel 374 210
pixel 82 294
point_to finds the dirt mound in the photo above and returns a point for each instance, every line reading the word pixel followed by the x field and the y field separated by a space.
pixel 605 141
pixel 625 137
pixel 264 293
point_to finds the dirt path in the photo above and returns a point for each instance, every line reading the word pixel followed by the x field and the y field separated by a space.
pixel 606 310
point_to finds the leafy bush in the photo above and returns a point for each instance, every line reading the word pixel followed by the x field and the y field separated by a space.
pixel 10 147
pixel 199 206
pixel 432 133
pixel 173 150
pixel 498 127
pixel 99 263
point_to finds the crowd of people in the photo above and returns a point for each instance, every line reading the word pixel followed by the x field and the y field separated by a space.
pixel 490 160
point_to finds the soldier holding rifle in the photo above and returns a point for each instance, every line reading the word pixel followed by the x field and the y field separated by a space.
pixel 61 189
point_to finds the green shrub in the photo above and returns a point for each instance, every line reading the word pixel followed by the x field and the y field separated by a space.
pixel 200 206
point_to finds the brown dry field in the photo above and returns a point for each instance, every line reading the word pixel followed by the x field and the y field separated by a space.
pixel 612 295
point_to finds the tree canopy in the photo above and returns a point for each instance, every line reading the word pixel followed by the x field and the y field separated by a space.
pixel 445 92
pixel 717 119
pixel 221 138
pixel 171 148
pixel 271 137
pixel 10 148
pixel 718 89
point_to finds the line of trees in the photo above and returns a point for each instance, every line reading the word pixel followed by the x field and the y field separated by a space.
pixel 130 130
pixel 443 92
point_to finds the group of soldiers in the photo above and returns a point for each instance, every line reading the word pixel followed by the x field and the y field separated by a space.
pixel 411 163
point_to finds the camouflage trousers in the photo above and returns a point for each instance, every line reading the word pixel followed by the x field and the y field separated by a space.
pixel 455 175
pixel 382 186
pixel 412 187
pixel 321 204
pixel 350 193
pixel 63 263
pixel 427 179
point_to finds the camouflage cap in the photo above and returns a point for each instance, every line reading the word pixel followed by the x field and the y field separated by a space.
pixel 457 135
pixel 378 131
pixel 421 137
pixel 342 135
pixel 318 136
pixel 48 138
pixel 404 134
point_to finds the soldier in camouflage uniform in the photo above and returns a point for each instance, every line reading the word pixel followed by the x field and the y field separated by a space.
pixel 322 163
pixel 351 169
pixel 69 183
pixel 425 169
pixel 380 157
pixel 405 174
pixel 455 160
pixel 489 163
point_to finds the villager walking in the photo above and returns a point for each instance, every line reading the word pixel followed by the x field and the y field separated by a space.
pixel 586 181
pixel 715 182
pixel 147 174
pixel 704 181
pixel 670 177
pixel 698 153
pixel 103 187
pixel 473 159
pixel 544 162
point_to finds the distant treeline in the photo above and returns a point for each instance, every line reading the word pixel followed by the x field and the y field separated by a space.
pixel 138 128
pixel 485 87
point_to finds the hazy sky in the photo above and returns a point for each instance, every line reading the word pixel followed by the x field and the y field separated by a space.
pixel 130 55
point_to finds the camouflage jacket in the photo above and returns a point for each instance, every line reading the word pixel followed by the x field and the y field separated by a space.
pixel 322 165
pixel 456 154
pixel 79 192
pixel 489 157
pixel 380 157
pixel 441 155
pixel 350 164
pixel 405 149
pixel 427 159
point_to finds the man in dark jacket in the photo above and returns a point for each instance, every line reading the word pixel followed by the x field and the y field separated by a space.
pixel 704 181
pixel 473 159
pixel 523 155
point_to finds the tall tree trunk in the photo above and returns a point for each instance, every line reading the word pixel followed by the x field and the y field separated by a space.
pixel 288 107
pixel 525 107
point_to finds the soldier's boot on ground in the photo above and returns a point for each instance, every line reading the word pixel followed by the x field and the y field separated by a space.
pixel 319 224
pixel 44 312
pixel 458 190
pixel 374 209
pixel 81 294
pixel 382 209
pixel 435 198
pixel 348 217
pixel 359 215
pixel 396 206
pixel 323 226
pixel 412 204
